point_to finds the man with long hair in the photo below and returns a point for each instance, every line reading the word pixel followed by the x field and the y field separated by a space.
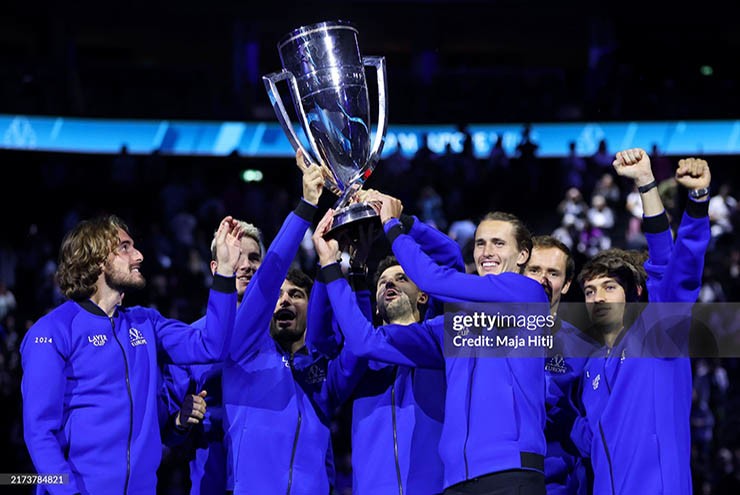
pixel 91 378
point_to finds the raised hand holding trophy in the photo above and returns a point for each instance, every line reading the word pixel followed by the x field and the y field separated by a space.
pixel 326 78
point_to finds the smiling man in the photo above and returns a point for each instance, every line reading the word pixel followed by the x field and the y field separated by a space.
pixel 505 452
pixel 91 366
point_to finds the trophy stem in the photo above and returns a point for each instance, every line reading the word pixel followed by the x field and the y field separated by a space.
pixel 347 196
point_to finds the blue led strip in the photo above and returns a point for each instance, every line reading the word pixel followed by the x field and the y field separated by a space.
pixel 266 139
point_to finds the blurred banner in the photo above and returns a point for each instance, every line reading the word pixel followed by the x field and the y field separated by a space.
pixel 263 139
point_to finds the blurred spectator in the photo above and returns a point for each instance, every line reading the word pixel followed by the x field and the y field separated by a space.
pixel 430 208
pixel 572 209
pixel 634 237
pixel 124 171
pixel 600 215
pixel 527 172
pixel 7 301
pixel 573 168
pixel 462 231
pixel 607 188
pixel 602 159
pixel 721 208
pixel 498 160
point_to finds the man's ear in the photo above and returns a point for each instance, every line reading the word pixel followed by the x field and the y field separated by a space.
pixel 522 259
pixel 423 298
pixel 566 286
pixel 639 291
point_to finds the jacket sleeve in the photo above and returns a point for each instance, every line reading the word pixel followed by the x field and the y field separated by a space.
pixel 187 344
pixel 417 344
pixel 453 286
pixel 177 381
pixel 44 354
pixel 258 304
pixel 322 330
pixel 439 246
pixel 660 250
pixel 582 436
pixel 322 333
pixel 683 271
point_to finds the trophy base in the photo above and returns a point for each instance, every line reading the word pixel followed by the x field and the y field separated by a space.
pixel 351 220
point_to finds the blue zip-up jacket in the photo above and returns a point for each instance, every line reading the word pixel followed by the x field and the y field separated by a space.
pixel 205 442
pixel 397 411
pixel 91 388
pixel 277 405
pixel 566 472
pixel 638 408
pixel 494 407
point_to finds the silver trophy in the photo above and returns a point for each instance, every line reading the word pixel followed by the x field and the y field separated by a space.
pixel 326 78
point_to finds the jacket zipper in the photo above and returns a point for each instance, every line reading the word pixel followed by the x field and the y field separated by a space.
pixel 292 454
pixel 395 433
pixel 467 424
pixel 131 407
pixel 295 437
pixel 601 428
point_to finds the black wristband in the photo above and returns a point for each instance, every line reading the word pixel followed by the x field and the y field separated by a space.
pixel 394 232
pixel 332 272
pixel 647 187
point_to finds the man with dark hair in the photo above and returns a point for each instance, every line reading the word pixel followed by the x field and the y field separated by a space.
pixel 505 452
pixel 278 394
pixel 397 410
pixel 637 388
pixel 91 366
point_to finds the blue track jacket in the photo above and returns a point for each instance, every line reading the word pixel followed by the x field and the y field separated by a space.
pixel 638 408
pixel 397 411
pixel 278 406
pixel 91 388
pixel 565 469
pixel 494 407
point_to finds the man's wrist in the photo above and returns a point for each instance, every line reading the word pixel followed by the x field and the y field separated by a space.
pixel 644 180
pixel 700 193
pixel 178 424
pixel 647 187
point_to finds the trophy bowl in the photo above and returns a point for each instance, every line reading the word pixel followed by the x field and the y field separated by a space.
pixel 325 73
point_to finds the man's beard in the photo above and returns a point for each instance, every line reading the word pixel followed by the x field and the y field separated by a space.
pixel 123 284
pixel 398 309
pixel 285 335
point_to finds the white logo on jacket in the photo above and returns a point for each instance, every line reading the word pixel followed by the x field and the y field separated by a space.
pixel 98 340
pixel 595 383
pixel 136 337
pixel 556 364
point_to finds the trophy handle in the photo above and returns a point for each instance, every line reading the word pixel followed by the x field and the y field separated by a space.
pixel 271 81
pixel 379 64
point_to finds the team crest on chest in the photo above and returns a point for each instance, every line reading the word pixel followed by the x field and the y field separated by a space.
pixel 136 337
pixel 556 364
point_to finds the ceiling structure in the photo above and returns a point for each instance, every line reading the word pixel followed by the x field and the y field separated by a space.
pixel 447 61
